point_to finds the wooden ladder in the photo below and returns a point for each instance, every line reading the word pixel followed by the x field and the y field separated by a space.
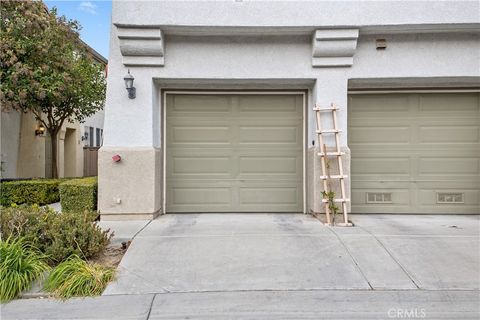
pixel 326 177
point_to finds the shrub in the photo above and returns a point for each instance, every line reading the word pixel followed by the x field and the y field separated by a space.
pixel 36 191
pixel 79 194
pixel 58 235
pixel 29 222
pixel 20 265
pixel 77 278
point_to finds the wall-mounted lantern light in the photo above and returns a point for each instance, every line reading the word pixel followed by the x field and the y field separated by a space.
pixel 85 136
pixel 129 85
pixel 40 130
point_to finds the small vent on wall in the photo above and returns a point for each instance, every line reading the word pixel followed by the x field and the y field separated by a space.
pixel 381 44
pixel 378 197
pixel 450 197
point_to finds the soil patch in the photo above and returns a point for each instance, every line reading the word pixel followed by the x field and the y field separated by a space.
pixel 111 256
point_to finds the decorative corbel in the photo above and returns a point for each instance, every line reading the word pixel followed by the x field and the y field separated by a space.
pixel 141 46
pixel 334 47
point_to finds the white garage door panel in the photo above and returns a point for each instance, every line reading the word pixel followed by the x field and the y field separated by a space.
pixel 413 146
pixel 234 153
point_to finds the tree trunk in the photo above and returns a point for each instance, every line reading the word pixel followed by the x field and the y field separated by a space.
pixel 54 144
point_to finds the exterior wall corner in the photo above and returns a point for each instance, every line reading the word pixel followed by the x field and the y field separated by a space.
pixel 131 187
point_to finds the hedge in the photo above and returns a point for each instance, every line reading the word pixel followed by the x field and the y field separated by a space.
pixel 35 191
pixel 77 195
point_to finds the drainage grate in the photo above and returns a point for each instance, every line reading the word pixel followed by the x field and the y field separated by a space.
pixel 379 197
pixel 450 197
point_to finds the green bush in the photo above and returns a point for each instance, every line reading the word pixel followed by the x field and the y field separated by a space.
pixel 77 278
pixel 37 191
pixel 20 265
pixel 58 235
pixel 78 195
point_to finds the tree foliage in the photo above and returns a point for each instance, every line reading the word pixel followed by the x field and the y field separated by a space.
pixel 45 68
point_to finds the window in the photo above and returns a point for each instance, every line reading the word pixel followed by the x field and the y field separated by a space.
pixel 90 137
pixel 98 136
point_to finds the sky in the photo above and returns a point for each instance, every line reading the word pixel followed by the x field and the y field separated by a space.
pixel 94 17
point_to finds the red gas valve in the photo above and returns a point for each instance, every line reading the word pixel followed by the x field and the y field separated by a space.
pixel 116 158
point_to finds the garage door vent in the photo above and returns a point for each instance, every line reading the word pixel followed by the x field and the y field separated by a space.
pixel 450 197
pixel 379 197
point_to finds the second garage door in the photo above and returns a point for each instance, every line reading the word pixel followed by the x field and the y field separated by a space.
pixel 234 153
pixel 415 153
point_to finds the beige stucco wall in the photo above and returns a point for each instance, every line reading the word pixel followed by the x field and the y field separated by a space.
pixel 10 135
pixel 31 154
pixel 70 153
pixel 130 188
pixel 31 159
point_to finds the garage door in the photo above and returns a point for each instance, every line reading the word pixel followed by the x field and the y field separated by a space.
pixel 415 153
pixel 234 153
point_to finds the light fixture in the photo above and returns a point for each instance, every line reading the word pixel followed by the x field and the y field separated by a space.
pixel 129 85
pixel 40 130
pixel 85 136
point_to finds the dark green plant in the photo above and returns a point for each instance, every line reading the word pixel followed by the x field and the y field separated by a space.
pixel 76 233
pixel 77 195
pixel 330 196
pixel 58 235
pixel 20 265
pixel 77 278
pixel 36 191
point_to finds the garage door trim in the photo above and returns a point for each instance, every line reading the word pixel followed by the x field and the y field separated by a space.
pixel 164 132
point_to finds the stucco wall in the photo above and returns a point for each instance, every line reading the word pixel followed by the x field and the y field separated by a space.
pixel 70 151
pixel 418 55
pixel 10 135
pixel 135 122
pixel 31 155
pixel 294 13
pixel 24 153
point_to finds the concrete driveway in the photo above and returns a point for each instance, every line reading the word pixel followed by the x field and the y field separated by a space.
pixel 247 252
pixel 285 266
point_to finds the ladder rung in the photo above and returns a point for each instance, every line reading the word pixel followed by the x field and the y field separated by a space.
pixel 324 109
pixel 329 131
pixel 331 154
pixel 333 177
pixel 336 200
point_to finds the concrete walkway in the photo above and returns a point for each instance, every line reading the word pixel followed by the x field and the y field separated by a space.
pixel 285 266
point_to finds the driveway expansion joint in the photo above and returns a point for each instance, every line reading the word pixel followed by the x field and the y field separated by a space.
pixel 393 257
pixel 151 306
pixel 351 257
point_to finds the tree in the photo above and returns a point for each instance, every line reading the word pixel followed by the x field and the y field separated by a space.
pixel 46 69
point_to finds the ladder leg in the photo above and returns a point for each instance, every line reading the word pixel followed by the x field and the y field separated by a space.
pixel 322 161
pixel 326 186
pixel 340 166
